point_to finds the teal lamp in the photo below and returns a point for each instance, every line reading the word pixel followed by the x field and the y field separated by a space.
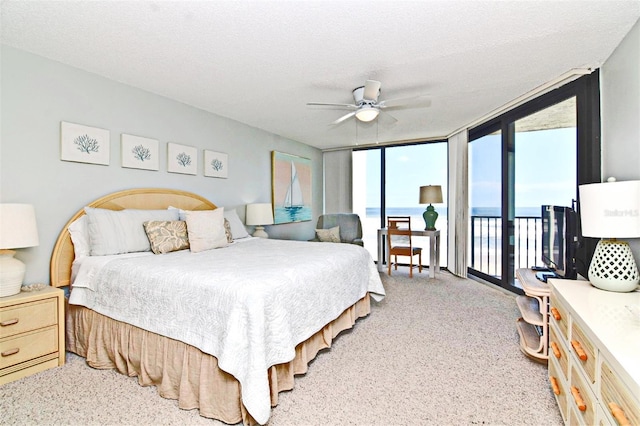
pixel 430 194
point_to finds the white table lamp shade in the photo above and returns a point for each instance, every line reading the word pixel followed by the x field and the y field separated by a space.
pixel 259 214
pixel 611 210
pixel 17 230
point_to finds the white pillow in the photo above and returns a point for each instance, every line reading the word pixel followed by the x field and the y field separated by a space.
pixel 237 227
pixel 122 231
pixel 180 212
pixel 79 233
pixel 205 229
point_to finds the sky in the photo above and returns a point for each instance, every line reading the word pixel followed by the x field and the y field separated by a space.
pixel 545 170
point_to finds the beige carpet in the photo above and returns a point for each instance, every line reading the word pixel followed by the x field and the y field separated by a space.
pixel 434 352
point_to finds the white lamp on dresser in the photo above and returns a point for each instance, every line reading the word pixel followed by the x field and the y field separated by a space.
pixel 17 230
pixel 611 210
pixel 259 214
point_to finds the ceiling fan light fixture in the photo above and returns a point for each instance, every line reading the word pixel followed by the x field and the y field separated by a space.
pixel 367 113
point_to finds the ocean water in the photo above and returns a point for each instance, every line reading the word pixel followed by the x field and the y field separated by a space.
pixel 442 211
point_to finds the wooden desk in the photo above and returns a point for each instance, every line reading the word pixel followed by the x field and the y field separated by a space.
pixel 434 248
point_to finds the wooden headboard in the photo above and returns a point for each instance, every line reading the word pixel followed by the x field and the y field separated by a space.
pixel 143 198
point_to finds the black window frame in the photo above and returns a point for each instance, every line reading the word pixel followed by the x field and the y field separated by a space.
pixel 586 90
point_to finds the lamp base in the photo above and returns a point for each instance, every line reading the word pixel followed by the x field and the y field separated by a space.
pixel 430 216
pixel 613 267
pixel 260 232
pixel 11 273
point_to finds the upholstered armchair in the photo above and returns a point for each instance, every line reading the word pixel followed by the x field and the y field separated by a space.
pixel 350 227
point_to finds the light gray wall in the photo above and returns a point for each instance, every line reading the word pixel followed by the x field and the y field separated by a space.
pixel 37 94
pixel 620 100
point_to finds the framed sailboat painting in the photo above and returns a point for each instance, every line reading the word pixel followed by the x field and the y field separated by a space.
pixel 291 188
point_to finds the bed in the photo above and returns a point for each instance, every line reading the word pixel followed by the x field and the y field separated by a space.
pixel 222 330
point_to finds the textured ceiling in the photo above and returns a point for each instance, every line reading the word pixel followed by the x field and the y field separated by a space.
pixel 260 62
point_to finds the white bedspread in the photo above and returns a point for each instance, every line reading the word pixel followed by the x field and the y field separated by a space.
pixel 247 304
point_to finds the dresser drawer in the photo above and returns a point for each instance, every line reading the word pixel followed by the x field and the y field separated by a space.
pixel 14 350
pixel 560 317
pixel 24 317
pixel 559 387
pixel 581 398
pixel 616 398
pixel 558 352
pixel 584 351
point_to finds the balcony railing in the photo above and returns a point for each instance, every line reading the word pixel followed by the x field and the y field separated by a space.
pixel 486 243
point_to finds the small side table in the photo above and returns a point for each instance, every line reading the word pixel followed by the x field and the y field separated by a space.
pixel 31 333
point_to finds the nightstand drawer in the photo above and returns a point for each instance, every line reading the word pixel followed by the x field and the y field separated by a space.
pixel 28 316
pixel 28 345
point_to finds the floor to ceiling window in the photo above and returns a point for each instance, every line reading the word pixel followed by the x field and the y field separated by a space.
pixel 485 204
pixel 386 182
pixel 534 155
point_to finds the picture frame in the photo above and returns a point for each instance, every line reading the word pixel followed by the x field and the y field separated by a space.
pixel 290 188
pixel 84 144
pixel 216 164
pixel 138 152
pixel 182 159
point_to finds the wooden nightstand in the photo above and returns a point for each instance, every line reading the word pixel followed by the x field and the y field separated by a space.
pixel 31 333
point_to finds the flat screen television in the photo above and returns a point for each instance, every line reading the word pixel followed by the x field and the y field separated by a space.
pixel 559 240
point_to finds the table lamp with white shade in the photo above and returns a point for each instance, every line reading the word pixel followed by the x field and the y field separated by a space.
pixel 258 215
pixel 17 230
pixel 611 210
pixel 430 194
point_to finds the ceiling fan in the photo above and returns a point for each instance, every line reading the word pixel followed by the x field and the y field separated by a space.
pixel 366 106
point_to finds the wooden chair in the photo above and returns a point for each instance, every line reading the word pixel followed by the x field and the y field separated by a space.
pixel 401 225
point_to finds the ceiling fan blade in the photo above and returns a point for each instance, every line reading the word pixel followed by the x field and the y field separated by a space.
pixel 388 118
pixel 343 118
pixel 420 100
pixel 371 90
pixel 335 106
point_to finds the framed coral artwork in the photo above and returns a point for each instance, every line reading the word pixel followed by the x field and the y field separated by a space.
pixel 182 159
pixel 139 153
pixel 216 164
pixel 84 144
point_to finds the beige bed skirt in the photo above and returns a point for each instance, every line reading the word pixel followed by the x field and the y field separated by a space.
pixel 183 372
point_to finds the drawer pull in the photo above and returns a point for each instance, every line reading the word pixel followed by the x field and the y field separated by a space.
pixel 9 322
pixel 578 399
pixel 11 352
pixel 554 385
pixel 579 351
pixel 618 413
pixel 556 314
pixel 556 351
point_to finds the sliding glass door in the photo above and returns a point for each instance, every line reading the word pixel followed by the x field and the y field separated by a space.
pixel 534 155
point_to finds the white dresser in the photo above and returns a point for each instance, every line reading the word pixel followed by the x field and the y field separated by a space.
pixel 594 354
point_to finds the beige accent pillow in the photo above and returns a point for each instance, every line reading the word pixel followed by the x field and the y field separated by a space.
pixel 331 235
pixel 205 229
pixel 167 236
